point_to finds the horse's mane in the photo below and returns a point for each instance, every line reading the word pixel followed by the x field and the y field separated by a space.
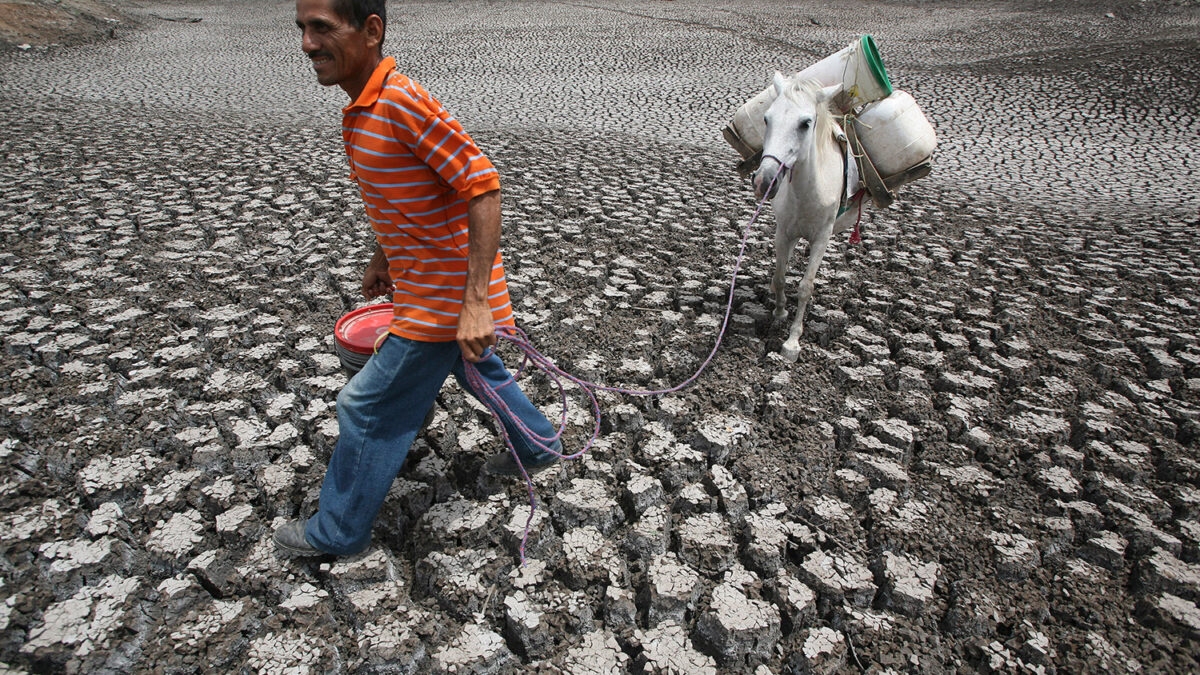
pixel 799 89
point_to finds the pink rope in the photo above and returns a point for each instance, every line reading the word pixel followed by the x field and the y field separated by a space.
pixel 855 237
pixel 530 355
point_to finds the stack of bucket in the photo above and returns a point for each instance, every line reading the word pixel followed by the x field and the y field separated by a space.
pixel 893 133
pixel 357 333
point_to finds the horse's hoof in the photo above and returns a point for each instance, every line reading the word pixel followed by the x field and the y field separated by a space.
pixel 779 314
pixel 790 352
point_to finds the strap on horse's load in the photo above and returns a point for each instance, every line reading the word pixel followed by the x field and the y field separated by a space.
pixel 868 174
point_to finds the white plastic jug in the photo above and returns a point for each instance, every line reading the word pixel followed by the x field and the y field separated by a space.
pixel 895 134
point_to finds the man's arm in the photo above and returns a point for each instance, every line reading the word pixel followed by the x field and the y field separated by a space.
pixel 476 332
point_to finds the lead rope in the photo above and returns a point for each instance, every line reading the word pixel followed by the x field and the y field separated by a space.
pixel 530 355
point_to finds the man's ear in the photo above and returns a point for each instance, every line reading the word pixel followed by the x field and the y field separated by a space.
pixel 779 83
pixel 374 30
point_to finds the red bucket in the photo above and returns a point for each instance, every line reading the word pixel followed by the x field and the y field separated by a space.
pixel 356 334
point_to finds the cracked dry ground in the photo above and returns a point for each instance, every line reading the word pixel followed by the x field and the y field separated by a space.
pixel 985 458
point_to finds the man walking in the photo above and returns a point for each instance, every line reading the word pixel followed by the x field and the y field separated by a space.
pixel 433 200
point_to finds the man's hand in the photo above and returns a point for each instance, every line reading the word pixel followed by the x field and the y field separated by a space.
pixel 476 332
pixel 376 280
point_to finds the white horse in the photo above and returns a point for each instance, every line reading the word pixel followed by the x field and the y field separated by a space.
pixel 803 157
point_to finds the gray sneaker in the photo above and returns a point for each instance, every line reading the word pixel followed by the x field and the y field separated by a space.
pixel 289 537
pixel 504 465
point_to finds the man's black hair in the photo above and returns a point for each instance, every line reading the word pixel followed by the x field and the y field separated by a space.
pixel 357 11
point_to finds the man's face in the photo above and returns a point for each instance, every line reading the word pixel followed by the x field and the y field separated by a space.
pixel 341 54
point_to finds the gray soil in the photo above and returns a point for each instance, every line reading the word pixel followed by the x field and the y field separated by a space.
pixel 984 459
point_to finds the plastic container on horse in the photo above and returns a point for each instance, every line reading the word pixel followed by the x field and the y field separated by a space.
pixel 857 69
pixel 895 134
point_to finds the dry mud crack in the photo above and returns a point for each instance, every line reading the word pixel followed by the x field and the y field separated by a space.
pixel 984 459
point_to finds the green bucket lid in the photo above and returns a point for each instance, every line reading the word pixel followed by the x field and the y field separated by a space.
pixel 871 52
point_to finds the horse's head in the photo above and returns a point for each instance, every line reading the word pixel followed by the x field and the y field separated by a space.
pixel 799 112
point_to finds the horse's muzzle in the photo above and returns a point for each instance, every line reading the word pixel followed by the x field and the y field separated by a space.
pixel 764 180
pixel 768 177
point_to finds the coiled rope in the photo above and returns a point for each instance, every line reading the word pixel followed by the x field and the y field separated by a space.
pixel 516 337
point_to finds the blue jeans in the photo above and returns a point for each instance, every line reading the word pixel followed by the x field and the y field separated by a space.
pixel 380 412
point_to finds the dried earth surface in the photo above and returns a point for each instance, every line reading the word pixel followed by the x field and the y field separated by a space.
pixel 985 458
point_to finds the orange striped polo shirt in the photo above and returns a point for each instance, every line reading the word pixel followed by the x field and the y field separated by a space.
pixel 417 169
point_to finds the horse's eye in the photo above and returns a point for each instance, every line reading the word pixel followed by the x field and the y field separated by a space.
pixel 805 125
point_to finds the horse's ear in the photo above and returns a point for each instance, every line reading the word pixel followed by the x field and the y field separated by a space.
pixel 778 82
pixel 827 93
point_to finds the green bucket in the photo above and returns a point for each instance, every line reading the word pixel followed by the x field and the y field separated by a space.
pixel 875 63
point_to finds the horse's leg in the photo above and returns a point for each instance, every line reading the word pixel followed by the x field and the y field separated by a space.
pixel 783 253
pixel 816 251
